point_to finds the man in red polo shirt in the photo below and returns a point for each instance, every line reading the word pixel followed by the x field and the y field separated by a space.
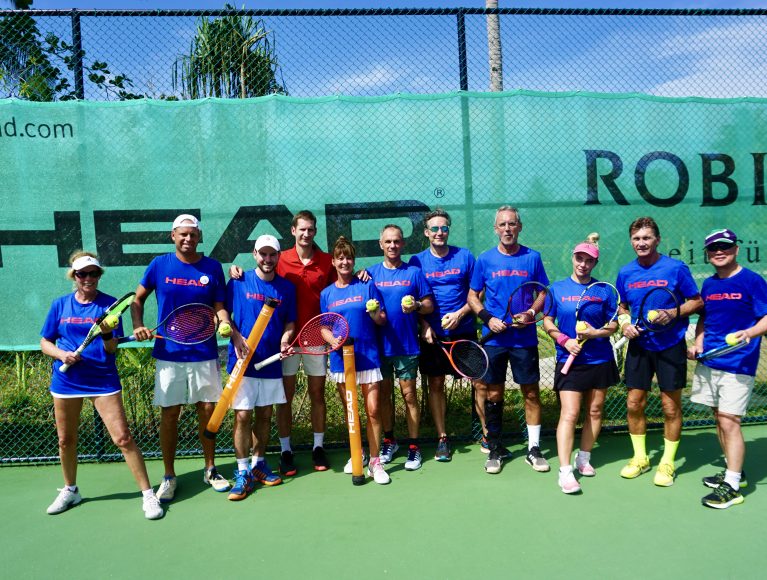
pixel 311 271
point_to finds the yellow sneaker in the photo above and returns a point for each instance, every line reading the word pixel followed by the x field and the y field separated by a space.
pixel 635 467
pixel 664 477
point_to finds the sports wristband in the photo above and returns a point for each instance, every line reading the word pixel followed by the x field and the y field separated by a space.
pixel 624 319
pixel 484 316
pixel 561 339
pixel 107 335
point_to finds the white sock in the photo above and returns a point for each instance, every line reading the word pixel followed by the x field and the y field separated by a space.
pixel 533 436
pixel 285 444
pixel 319 439
pixel 733 479
pixel 71 487
pixel 583 457
pixel 565 469
pixel 243 464
pixel 254 460
pixel 147 493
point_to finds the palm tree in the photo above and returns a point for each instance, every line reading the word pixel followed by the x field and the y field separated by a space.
pixel 230 57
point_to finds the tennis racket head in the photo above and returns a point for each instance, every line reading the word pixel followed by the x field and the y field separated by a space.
pixel 528 304
pixel 119 306
pixel 468 359
pixel 322 334
pixel 598 305
pixel 720 351
pixel 189 324
pixel 659 298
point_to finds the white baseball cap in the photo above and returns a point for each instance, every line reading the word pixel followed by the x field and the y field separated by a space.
pixel 267 241
pixel 186 220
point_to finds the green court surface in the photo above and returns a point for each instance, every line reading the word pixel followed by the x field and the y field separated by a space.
pixel 446 520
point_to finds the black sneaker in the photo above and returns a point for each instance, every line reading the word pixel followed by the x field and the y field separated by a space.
pixel 534 459
pixel 494 462
pixel 722 497
pixel 320 459
pixel 504 453
pixel 715 481
pixel 287 467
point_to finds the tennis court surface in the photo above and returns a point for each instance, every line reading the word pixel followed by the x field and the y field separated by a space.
pixel 447 520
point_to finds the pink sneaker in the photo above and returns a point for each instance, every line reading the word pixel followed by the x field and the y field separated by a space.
pixel 568 483
pixel 585 469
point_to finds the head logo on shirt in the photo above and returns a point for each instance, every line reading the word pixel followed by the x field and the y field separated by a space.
pixel 506 273
pixel 77 320
pixel 261 297
pixel 203 281
pixel 388 283
pixel 343 301
pixel 648 284
pixel 724 296
pixel 448 272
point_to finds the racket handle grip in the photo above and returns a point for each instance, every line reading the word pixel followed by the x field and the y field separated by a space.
pixel 129 338
pixel 268 361
pixel 618 345
pixel 568 364
pixel 65 367
pixel 482 341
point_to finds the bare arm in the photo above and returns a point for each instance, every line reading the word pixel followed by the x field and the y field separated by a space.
pixel 140 331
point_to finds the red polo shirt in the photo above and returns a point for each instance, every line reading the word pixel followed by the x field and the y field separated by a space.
pixel 309 279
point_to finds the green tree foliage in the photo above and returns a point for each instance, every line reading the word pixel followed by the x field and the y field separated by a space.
pixel 38 68
pixel 230 57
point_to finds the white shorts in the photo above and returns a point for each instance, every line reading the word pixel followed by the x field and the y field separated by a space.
pixel 727 392
pixel 255 392
pixel 182 383
pixel 315 365
pixel 363 377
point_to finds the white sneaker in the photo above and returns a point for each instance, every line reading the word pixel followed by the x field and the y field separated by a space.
pixel 378 473
pixel 388 449
pixel 152 508
pixel 568 483
pixel 167 490
pixel 65 500
pixel 413 458
pixel 348 466
pixel 217 481
pixel 585 469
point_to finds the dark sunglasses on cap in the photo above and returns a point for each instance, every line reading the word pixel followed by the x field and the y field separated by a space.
pixel 443 229
pixel 88 274
pixel 719 246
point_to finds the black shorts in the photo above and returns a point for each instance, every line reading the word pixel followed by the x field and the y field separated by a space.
pixel 583 378
pixel 433 361
pixel 523 361
pixel 670 367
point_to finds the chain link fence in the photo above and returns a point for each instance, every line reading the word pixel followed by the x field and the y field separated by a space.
pixel 361 58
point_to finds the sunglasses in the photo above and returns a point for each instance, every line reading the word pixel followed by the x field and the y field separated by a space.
pixel 443 229
pixel 89 274
pixel 719 247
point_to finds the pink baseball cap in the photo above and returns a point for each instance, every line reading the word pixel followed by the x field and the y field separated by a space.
pixel 587 248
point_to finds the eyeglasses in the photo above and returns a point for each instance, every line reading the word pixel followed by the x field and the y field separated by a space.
pixel 88 274
pixel 443 229
pixel 719 247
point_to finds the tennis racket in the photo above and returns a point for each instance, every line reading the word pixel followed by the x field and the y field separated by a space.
pixel 528 304
pixel 597 307
pixel 321 335
pixel 467 358
pixel 238 372
pixel 720 350
pixel 657 299
pixel 188 324
pixel 116 309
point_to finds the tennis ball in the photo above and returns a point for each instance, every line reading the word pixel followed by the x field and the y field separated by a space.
pixel 444 321
pixel 225 329
pixel 652 315
pixel 731 339
pixel 111 321
pixel 581 326
pixel 371 305
pixel 408 300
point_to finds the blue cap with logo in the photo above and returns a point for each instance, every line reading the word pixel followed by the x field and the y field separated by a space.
pixel 721 236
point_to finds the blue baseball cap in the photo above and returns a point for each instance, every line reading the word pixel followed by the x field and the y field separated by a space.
pixel 722 236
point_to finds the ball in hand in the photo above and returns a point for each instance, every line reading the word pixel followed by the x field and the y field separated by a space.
pixel 731 339
pixel 408 300
pixel 445 321
pixel 225 329
pixel 581 326
pixel 652 315
pixel 111 321
pixel 371 305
